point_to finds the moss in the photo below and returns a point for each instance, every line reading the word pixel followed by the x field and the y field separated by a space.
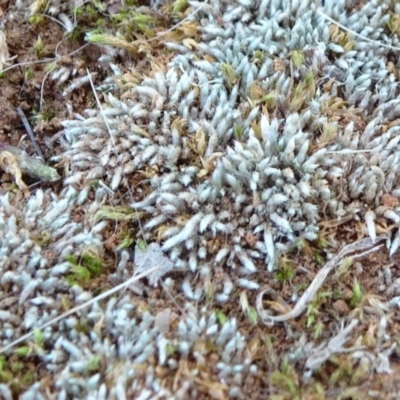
pixel 83 268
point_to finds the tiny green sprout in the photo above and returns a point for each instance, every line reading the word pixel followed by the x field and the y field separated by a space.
pixel 17 366
pixel 22 351
pixel 28 378
pixel 259 55
pixel 38 336
pixel 318 329
pixel 329 133
pixel 229 74
pixel 285 271
pixel 2 75
pixel 92 263
pixel 84 268
pixel 322 243
pixel 252 315
pixel 250 312
pixel 357 294
pixel 301 246
pixel 310 313
pixel 50 66
pixel 42 116
pixel 300 287
pixel 115 41
pixel 77 11
pixel 141 244
pixel 179 6
pixel 268 98
pixel 36 19
pixel 6 376
pixel 125 243
pixel 238 132
pixel 303 92
pixel 99 5
pixel 285 365
pixel 344 268
pixel 309 81
pixel 93 364
pixel 221 317
pixel 318 258
pixel 29 74
pixel 298 58
pixel 287 383
pixel 337 294
pixel 39 47
pixel 171 348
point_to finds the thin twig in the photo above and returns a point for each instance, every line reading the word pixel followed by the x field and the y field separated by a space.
pixel 30 132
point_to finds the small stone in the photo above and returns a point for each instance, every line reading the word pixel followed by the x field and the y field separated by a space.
pixel 341 307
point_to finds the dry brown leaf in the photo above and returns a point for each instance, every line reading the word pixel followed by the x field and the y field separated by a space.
pixel 189 28
pixel 9 163
pixel 190 43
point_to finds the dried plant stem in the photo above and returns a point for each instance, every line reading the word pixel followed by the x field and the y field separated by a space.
pixel 29 165
pixel 364 245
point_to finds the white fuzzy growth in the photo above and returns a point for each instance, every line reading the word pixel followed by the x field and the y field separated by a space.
pixel 280 222
pixel 389 214
pixel 245 260
pixel 222 253
pixel 395 244
pixel 187 289
pixel 247 284
pixel 369 220
pixel 277 199
pixel 188 231
pixel 205 222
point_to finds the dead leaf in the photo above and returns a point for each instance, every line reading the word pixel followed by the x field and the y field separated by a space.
pixel 9 163
pixel 149 257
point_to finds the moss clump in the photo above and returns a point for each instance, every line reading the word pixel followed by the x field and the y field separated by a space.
pixel 83 268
